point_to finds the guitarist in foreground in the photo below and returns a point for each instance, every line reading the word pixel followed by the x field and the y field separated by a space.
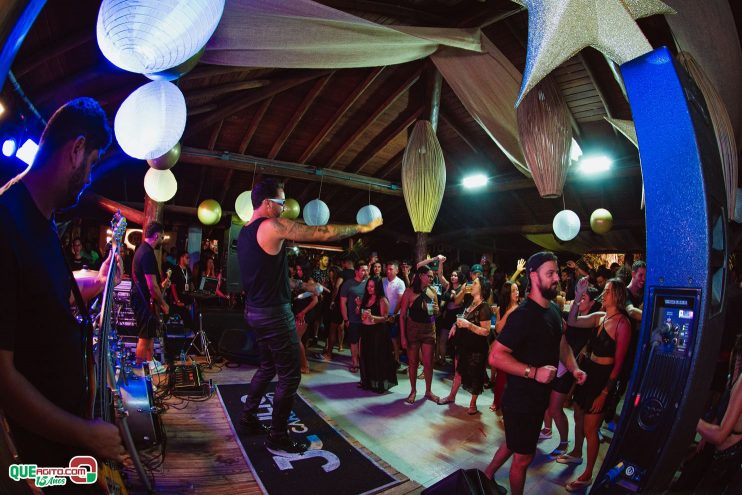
pixel 43 388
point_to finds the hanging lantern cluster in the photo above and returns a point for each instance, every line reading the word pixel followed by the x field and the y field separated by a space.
pixel 566 224
pixel 423 176
pixel 162 39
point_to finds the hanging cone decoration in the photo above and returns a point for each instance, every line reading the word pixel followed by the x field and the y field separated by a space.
pixel 722 128
pixel 423 176
pixel 627 128
pixel 545 136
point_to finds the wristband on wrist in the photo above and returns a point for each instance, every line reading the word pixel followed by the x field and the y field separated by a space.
pixel 527 372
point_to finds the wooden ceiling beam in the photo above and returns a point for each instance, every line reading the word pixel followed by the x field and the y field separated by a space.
pixel 205 70
pixel 339 113
pixel 386 137
pixel 396 11
pixel 300 171
pixel 215 135
pixel 380 109
pixel 234 105
pixel 223 89
pixel 48 53
pixel 257 118
pixel 472 232
pixel 300 111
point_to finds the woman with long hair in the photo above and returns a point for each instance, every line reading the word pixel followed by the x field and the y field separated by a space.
pixel 417 331
pixel 335 331
pixel 471 329
pixel 449 310
pixel 602 365
pixel 506 304
pixel 378 366
pixel 302 304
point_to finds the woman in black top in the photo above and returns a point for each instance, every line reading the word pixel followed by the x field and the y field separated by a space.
pixel 471 331
pixel 449 310
pixel 302 303
pixel 603 365
pixel 378 366
pixel 417 331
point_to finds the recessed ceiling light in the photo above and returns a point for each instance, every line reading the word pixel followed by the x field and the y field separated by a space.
pixel 474 181
pixel 595 164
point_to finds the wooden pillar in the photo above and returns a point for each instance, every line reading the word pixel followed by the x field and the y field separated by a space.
pixel 154 211
pixel 435 82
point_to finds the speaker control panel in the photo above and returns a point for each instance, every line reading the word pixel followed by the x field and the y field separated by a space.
pixel 674 320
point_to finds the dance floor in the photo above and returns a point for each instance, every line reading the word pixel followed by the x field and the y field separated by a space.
pixel 423 442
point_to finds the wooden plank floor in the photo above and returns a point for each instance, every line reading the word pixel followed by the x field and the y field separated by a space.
pixel 203 456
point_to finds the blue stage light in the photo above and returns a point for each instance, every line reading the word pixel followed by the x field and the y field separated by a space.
pixel 9 147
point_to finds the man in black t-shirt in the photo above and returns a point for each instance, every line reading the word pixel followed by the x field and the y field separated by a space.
pixel 182 282
pixel 528 350
pixel 43 388
pixel 146 294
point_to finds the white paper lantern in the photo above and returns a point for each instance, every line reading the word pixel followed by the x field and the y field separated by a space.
pixel 316 212
pixel 368 214
pixel 147 36
pixel 566 225
pixel 160 185
pixel 243 206
pixel 151 120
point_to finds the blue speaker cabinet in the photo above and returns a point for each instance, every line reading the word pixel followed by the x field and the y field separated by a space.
pixel 686 262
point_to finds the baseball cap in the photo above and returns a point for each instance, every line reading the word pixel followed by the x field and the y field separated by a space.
pixel 538 259
pixel 476 268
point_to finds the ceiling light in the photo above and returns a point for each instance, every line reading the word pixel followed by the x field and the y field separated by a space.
pixel 2 108
pixel 27 152
pixel 595 164
pixel 9 146
pixel 575 152
pixel 474 181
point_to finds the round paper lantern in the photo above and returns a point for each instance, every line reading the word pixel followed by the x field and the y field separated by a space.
pixel 160 185
pixel 367 214
pixel 291 209
pixel 601 221
pixel 151 120
pixel 209 212
pixel 243 206
pixel 166 161
pixel 566 225
pixel 149 36
pixel 316 212
pixel 179 70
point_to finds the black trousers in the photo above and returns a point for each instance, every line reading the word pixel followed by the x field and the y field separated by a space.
pixel 278 345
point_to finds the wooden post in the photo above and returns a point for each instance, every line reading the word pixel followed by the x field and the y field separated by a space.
pixel 435 82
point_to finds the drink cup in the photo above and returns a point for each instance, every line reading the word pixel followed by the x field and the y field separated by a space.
pixel 430 308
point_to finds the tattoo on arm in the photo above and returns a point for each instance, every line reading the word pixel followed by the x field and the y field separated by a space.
pixel 295 231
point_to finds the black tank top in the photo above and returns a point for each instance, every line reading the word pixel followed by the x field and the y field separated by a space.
pixel 603 345
pixel 265 277
pixel 418 311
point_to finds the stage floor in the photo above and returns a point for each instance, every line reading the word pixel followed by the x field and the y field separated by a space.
pixel 424 442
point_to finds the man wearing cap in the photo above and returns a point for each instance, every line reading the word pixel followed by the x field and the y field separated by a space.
pixel 528 350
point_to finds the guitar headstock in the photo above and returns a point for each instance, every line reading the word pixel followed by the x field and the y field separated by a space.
pixel 118 228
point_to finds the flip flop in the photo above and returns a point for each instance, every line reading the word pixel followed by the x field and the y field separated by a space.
pixel 493 408
pixel 445 400
pixel 432 397
pixel 353 369
pixel 410 398
pixel 577 485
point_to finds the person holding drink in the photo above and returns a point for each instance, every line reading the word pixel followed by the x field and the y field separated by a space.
pixel 528 350
pixel 378 366
pixel 471 329
pixel 417 330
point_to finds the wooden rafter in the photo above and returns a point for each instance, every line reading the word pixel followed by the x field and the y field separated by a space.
pixel 234 105
pixel 380 109
pixel 309 98
pixel 47 53
pixel 223 89
pixel 215 135
pixel 396 11
pixel 254 125
pixel 384 138
pixel 344 107
pixel 205 71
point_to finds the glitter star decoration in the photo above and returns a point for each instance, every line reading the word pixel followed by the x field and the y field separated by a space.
pixel 559 29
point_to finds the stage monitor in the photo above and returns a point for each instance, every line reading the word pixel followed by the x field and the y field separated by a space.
pixel 208 284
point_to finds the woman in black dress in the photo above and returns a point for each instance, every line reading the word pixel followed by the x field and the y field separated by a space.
pixel 471 331
pixel 303 303
pixel 449 310
pixel 378 366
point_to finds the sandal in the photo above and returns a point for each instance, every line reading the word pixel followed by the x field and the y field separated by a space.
pixel 433 397
pixel 578 484
pixel 493 408
pixel 444 401
pixel 410 398
pixel 472 411
pixel 569 459
pixel 353 369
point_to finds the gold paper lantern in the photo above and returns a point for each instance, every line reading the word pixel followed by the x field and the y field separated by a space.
pixel 722 128
pixel 291 209
pixel 601 221
pixel 423 176
pixel 209 212
pixel 545 136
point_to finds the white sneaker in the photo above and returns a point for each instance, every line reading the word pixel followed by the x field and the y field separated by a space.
pixel 156 367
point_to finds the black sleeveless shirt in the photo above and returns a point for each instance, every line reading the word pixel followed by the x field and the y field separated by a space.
pixel 265 277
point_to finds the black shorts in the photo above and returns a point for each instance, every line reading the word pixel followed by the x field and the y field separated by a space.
pixel 522 430
pixel 148 325
pixel 353 333
pixel 563 384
